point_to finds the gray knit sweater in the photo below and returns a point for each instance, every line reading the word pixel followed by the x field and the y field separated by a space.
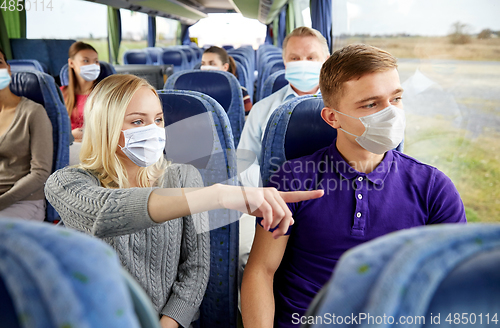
pixel 170 260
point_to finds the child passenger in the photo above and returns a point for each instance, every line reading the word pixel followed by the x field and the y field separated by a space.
pixel 124 191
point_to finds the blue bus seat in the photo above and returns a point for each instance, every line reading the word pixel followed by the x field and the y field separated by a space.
pixel 273 83
pixel 295 129
pixel 228 46
pixel 41 88
pixel 268 57
pixel 106 70
pixel 82 287
pixel 222 86
pixel 245 63
pixel 176 57
pixel 154 54
pixel 190 53
pixel 219 306
pixel 51 53
pixel 241 75
pixel 438 269
pixel 23 65
pixel 136 57
pixel 269 68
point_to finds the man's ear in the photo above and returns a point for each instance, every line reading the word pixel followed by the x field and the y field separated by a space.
pixel 330 117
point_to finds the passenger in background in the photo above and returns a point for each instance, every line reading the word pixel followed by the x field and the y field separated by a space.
pixel 370 190
pixel 215 58
pixel 83 70
pixel 26 148
pixel 124 191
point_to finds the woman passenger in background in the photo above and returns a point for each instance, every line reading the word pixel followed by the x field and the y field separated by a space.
pixel 25 152
pixel 215 58
pixel 83 70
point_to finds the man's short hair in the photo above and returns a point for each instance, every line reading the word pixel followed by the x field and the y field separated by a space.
pixel 304 31
pixel 351 62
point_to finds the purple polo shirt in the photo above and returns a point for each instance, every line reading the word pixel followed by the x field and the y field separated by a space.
pixel 400 193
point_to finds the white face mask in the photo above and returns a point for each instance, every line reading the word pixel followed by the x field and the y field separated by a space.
pixel 90 72
pixel 4 78
pixel 303 74
pixel 209 68
pixel 384 130
pixel 144 145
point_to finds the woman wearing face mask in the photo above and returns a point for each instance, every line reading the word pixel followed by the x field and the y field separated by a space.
pixel 215 58
pixel 25 152
pixel 83 70
pixel 124 191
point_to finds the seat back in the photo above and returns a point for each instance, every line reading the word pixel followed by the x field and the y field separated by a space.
pixel 106 70
pixel 41 88
pixel 136 57
pixel 51 53
pixel 295 129
pixel 243 60
pixel 273 83
pixel 222 86
pixel 23 65
pixel 269 68
pixel 176 57
pixel 48 287
pixel 196 124
pixel 438 269
pixel 242 74
pixel 154 54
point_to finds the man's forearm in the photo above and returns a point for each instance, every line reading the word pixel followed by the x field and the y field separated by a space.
pixel 257 300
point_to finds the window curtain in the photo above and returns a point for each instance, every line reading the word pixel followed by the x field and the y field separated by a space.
pixel 114 34
pixel 12 26
pixel 269 35
pixel 321 17
pixel 282 26
pixel 290 18
pixel 151 31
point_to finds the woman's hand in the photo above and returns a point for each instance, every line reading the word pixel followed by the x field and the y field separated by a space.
pixel 268 203
pixel 77 134
pixel 167 322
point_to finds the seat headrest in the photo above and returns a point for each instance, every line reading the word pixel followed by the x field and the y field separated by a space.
pixel 136 57
pixel 27 84
pixel 172 57
pixel 214 84
pixel 193 136
pixel 307 132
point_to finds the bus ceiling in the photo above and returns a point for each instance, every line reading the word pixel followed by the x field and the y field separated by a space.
pixel 189 12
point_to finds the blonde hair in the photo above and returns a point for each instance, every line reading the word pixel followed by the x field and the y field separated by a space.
pixel 104 114
pixel 305 31
pixel 351 62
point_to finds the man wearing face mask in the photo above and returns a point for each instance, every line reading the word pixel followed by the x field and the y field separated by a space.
pixel 370 190
pixel 304 51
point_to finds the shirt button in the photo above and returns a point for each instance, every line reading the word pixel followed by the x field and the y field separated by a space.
pixel 360 179
pixel 358 215
pixel 360 196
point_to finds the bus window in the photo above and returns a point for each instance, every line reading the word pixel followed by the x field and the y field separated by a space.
pixel 69 19
pixel 449 67
pixel 166 32
pixel 233 29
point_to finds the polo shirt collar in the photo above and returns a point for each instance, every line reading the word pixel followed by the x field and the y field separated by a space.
pixel 377 176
